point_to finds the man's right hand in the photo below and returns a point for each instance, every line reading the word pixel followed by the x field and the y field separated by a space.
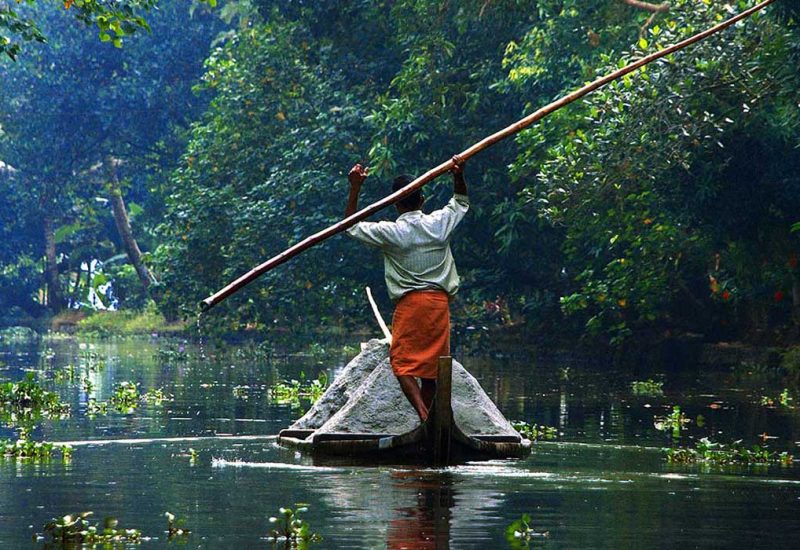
pixel 458 165
pixel 357 175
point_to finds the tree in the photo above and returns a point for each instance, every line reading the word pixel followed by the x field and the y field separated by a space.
pixel 20 22
pixel 668 184
pixel 72 104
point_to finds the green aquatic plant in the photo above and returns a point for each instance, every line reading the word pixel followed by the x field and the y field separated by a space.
pixel 90 360
pixel 172 353
pixel 76 529
pixel 175 528
pixel 350 350
pixel 520 533
pixel 240 392
pixel 125 397
pixel 316 350
pixel 35 451
pixel 95 407
pixel 720 454
pixel 251 351
pixel 155 396
pixel 290 393
pixel 784 399
pixel 290 529
pixel 26 399
pixel 647 388
pixel 18 335
pixel 535 432
pixel 674 422
pixel 67 374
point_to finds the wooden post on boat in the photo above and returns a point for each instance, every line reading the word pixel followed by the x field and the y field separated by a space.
pixel 442 413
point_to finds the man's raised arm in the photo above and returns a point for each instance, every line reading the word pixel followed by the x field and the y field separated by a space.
pixel 356 176
pixel 459 184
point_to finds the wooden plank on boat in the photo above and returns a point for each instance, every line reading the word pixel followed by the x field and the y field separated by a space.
pixel 442 413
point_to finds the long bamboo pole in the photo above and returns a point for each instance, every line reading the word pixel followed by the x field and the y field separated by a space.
pixel 433 173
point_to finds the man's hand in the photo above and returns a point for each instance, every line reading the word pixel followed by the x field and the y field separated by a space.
pixel 459 185
pixel 357 175
pixel 458 165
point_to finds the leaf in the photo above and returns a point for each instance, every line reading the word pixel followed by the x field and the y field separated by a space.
pixel 66 231
pixel 134 209
pixel 643 43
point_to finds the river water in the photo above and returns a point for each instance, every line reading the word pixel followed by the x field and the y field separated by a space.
pixel 603 483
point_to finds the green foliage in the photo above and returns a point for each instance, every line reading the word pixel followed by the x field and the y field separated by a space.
pixel 293 391
pixel 114 20
pixel 647 388
pixel 35 451
pixel 719 454
pixel 155 396
pixel 535 432
pixel 790 362
pixel 94 407
pixel 26 400
pixel 653 178
pixel 520 534
pixel 128 107
pixel 125 397
pixel 292 530
pixel 674 422
pixel 172 353
pixel 665 202
pixel 127 323
pixel 18 335
pixel 175 527
pixel 77 529
pixel 783 399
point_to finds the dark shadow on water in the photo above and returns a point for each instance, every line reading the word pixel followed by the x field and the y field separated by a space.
pixel 424 522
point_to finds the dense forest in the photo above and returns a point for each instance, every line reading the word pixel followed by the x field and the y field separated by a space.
pixel 157 171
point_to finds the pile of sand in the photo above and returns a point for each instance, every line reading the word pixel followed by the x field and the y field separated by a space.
pixel 366 398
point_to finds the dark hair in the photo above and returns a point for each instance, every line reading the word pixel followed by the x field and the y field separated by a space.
pixel 409 202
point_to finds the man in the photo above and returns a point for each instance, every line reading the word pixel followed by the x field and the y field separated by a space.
pixel 420 276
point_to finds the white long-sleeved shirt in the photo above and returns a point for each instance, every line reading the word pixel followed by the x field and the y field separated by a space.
pixel 416 248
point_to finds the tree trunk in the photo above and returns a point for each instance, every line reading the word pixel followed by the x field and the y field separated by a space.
pixel 123 224
pixel 54 298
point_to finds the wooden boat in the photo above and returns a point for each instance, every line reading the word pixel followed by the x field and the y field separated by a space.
pixel 438 441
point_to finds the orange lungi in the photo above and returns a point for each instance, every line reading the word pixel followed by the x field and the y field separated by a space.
pixel 420 333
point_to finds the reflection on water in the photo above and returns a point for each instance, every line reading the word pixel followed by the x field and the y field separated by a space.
pixel 424 522
pixel 604 484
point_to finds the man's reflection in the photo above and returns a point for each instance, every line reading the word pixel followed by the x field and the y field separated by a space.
pixel 426 524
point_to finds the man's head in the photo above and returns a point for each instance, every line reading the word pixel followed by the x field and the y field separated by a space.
pixel 414 201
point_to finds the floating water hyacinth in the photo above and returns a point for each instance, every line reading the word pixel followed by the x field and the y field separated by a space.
pixel 720 454
pixel 674 422
pixel 520 533
pixel 291 529
pixel 76 529
pixel 175 527
pixel 535 432
pixel 648 388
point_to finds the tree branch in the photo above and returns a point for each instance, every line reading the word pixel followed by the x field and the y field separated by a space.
pixel 655 8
